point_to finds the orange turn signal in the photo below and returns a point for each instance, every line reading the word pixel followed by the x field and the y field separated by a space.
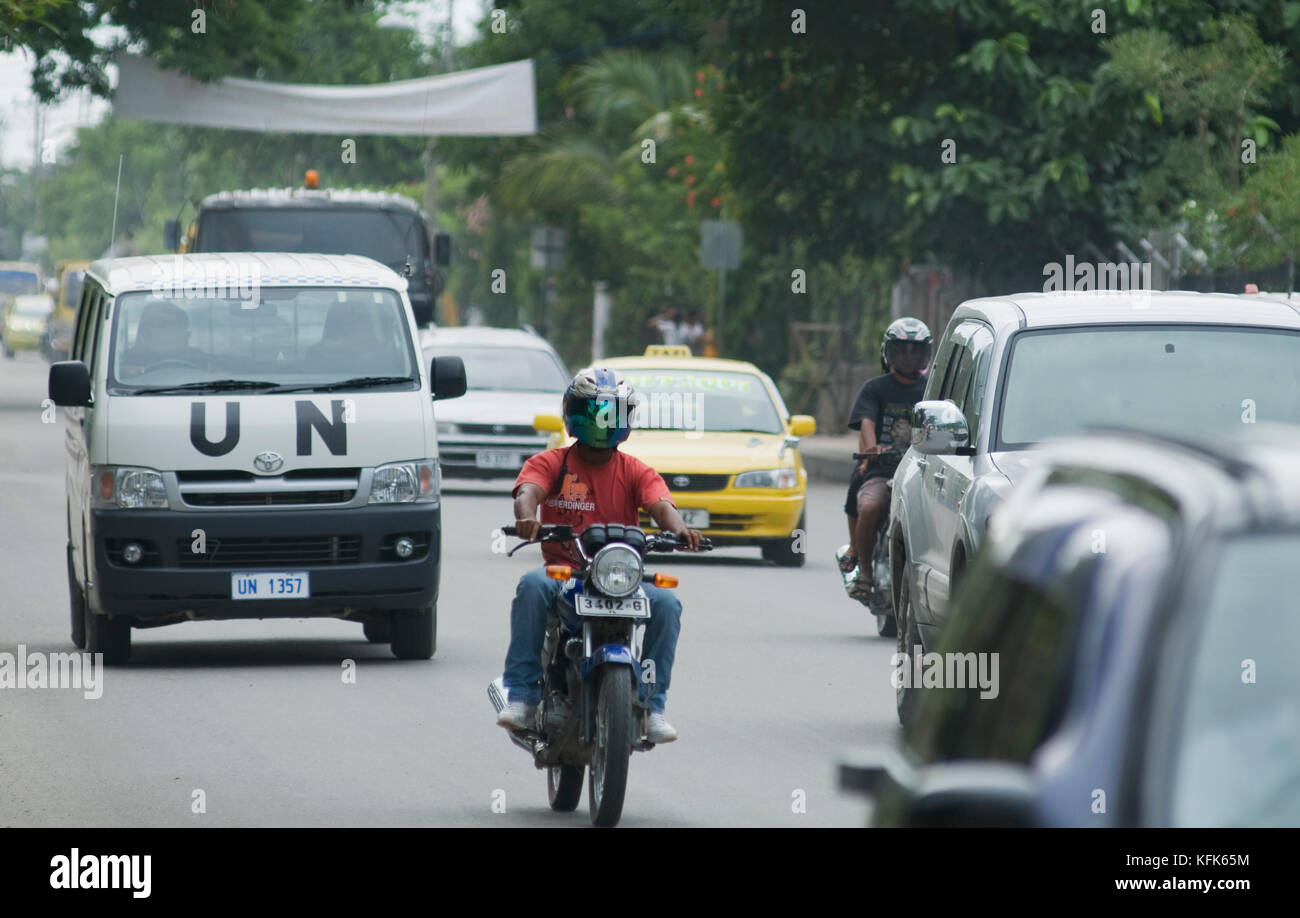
pixel 106 485
pixel 311 179
pixel 559 571
pixel 665 580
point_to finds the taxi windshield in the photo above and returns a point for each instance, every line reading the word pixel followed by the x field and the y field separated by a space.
pixel 702 400
pixel 298 337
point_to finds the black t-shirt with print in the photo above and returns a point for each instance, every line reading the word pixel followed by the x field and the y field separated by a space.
pixel 888 404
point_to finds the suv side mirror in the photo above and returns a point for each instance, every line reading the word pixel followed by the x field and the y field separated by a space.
pixel 447 375
pixel 939 428
pixel 945 794
pixel 69 385
pixel 172 235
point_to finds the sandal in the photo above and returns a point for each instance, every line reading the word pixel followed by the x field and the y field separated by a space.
pixel 861 590
pixel 848 563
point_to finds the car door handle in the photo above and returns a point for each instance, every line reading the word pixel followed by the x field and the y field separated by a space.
pixel 920 463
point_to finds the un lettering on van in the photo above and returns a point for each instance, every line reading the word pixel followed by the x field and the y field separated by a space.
pixel 333 430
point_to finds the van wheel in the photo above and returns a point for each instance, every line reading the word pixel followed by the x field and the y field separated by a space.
pixel 378 632
pixel 906 696
pixel 109 636
pixel 77 604
pixel 415 633
pixel 790 551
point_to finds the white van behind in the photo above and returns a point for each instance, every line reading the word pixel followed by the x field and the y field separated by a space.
pixel 251 436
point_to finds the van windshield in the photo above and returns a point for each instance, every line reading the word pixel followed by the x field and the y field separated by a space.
pixel 386 236
pixel 299 337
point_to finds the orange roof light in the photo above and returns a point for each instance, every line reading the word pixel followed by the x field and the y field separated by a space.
pixel 1252 288
pixel 311 179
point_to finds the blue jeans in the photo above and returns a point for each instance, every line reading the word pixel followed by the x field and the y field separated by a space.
pixel 534 598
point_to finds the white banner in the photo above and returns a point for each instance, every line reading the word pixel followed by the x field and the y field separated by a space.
pixel 486 101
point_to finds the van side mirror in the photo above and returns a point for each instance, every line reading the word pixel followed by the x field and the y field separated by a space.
pixel 172 235
pixel 69 385
pixel 448 377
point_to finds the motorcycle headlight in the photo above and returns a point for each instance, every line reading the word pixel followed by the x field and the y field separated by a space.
pixel 616 570
pixel 767 478
pixel 405 482
pixel 126 488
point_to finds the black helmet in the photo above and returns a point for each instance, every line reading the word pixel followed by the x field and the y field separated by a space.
pixel 904 330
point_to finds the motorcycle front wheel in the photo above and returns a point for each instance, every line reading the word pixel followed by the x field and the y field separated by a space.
pixel 615 734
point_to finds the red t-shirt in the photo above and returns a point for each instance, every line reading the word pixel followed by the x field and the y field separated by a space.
pixel 609 493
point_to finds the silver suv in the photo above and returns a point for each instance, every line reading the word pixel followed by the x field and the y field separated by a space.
pixel 1013 371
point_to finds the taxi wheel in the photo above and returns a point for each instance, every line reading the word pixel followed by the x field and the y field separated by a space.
pixel 790 551
pixel 380 632
pixel 415 633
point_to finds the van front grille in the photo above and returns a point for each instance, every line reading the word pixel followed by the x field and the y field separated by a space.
pixel 271 551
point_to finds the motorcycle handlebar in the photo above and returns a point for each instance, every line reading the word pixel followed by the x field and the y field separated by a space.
pixel 666 541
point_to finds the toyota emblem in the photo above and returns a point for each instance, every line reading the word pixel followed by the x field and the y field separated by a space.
pixel 269 461
pixel 681 481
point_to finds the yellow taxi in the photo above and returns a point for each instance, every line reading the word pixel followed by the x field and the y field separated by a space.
pixel 720 435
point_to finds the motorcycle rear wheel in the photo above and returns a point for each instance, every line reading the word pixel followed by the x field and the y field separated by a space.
pixel 564 787
pixel 615 734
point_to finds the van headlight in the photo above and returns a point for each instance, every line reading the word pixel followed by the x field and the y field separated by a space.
pixel 616 570
pixel 405 482
pixel 127 488
pixel 767 478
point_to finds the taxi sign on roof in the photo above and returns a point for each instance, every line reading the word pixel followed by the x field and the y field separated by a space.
pixel 667 350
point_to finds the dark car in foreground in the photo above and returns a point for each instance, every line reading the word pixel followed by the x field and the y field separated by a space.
pixel 1139 594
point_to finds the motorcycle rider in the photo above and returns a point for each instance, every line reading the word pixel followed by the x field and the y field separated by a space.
pixel 882 415
pixel 589 482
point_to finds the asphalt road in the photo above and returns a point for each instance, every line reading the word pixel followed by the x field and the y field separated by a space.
pixel 777 675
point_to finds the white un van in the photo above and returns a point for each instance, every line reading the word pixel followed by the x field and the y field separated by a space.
pixel 251 436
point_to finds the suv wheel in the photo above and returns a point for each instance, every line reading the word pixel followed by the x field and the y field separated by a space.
pixel 908 642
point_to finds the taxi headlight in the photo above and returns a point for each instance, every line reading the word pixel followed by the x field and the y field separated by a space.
pixel 405 482
pixel 767 478
pixel 616 570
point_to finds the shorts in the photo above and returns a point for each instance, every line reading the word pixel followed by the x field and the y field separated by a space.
pixel 876 487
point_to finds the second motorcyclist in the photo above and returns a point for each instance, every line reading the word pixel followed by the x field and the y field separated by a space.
pixel 882 415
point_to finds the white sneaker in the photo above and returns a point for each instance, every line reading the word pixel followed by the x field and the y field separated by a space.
pixel 517 715
pixel 659 730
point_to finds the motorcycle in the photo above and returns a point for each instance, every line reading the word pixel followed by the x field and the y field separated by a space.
pixel 880 600
pixel 591 714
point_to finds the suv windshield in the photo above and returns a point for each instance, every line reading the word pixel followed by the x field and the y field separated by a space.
pixel 294 336
pixel 1237 758
pixel 386 236
pixel 513 369
pixel 702 400
pixel 1179 380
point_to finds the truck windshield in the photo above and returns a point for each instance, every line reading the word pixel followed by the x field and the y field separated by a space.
pixel 386 236
pixel 1180 380
pixel 18 282
pixel 289 336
